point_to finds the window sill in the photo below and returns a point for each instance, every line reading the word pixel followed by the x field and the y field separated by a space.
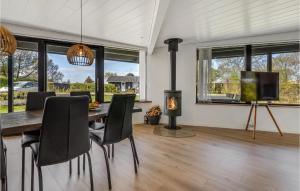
pixel 143 101
pixel 246 104
pixel 136 101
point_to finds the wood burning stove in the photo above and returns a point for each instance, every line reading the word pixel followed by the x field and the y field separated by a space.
pixel 172 102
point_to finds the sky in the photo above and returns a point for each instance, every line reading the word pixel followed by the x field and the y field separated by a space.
pixel 80 73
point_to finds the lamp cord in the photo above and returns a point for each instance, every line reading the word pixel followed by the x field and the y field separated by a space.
pixel 81 21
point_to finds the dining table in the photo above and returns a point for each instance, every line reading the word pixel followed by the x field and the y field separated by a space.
pixel 15 123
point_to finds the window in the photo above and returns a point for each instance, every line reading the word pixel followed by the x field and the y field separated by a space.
pixel 288 66
pixel 63 77
pixel 3 84
pixel 25 76
pixel 28 70
pixel 25 73
pixel 259 63
pixel 218 71
pixel 121 72
pixel 223 79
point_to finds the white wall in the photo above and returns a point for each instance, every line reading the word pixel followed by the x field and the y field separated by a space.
pixel 226 116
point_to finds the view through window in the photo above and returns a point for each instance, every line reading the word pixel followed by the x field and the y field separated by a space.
pixel 219 81
pixel 63 77
pixel 288 66
pixel 25 75
pixel 3 84
pixel 121 72
pixel 224 79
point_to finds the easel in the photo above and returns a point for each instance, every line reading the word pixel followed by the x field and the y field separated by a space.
pixel 255 105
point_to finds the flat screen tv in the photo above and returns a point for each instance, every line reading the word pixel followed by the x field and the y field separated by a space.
pixel 259 86
pixel 248 86
pixel 268 86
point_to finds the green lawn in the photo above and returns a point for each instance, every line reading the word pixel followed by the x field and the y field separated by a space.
pixel 4 108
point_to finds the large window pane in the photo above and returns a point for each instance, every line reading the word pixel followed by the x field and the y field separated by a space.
pixel 224 79
pixel 3 84
pixel 120 77
pixel 121 72
pixel 288 66
pixel 259 63
pixel 63 77
pixel 25 76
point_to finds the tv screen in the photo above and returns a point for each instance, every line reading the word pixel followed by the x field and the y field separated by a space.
pixel 268 86
pixel 259 86
pixel 248 86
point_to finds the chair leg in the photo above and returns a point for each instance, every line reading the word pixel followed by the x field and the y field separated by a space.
pixel 32 173
pixel 133 154
pixel 136 155
pixel 4 179
pixel 91 171
pixel 107 166
pixel 108 150
pixel 78 165
pixel 70 167
pixel 113 150
pixel 3 184
pixel 83 161
pixel 23 168
pixel 40 178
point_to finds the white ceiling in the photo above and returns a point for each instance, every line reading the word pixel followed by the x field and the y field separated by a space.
pixel 125 21
pixel 212 20
pixel 133 21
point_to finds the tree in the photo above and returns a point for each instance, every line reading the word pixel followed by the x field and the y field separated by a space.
pixel 25 65
pixel 108 74
pixel 288 66
pixel 3 66
pixel 88 80
pixel 130 74
pixel 52 72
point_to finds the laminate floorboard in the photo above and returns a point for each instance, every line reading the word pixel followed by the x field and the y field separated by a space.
pixel 214 160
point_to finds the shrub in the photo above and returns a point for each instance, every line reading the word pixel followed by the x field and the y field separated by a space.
pixel 110 88
pixel 3 81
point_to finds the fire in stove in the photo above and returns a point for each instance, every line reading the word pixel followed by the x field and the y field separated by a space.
pixel 172 103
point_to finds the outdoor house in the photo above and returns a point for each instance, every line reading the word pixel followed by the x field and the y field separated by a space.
pixel 124 83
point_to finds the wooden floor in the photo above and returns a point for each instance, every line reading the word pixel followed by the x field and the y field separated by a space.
pixel 213 160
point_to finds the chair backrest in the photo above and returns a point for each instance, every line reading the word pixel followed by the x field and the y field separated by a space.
pixel 2 157
pixel 36 100
pixel 64 132
pixel 82 93
pixel 118 125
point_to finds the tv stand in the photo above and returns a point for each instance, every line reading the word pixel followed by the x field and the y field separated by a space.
pixel 254 106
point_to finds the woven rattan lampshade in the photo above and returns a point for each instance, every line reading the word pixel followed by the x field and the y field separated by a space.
pixel 80 55
pixel 8 43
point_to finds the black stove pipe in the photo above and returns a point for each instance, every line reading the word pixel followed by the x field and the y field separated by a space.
pixel 173 48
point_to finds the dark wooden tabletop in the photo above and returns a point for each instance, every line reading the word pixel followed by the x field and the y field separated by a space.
pixel 18 122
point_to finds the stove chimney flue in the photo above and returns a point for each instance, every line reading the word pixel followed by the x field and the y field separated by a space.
pixel 173 48
pixel 172 106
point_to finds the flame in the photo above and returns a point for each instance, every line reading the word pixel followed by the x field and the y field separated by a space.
pixel 172 103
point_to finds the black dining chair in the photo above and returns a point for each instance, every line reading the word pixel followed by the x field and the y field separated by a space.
pixel 3 164
pixel 35 101
pixel 64 134
pixel 92 124
pixel 118 126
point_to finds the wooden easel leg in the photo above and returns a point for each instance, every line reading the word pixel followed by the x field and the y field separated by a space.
pixel 274 120
pixel 249 117
pixel 255 113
